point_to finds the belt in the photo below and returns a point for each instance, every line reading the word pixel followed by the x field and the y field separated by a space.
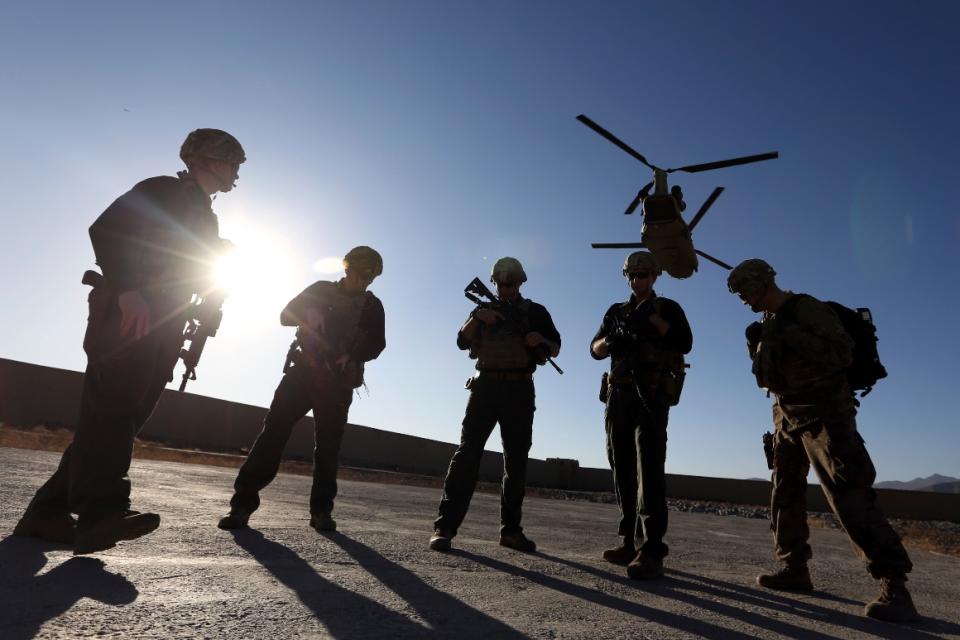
pixel 505 375
pixel 622 380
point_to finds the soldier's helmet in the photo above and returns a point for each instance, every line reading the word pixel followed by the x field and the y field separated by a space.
pixel 507 270
pixel 640 260
pixel 211 144
pixel 751 275
pixel 363 258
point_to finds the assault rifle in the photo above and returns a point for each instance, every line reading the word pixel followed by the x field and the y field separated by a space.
pixel 479 294
pixel 204 317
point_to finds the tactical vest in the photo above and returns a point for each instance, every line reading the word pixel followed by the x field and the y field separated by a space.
pixel 501 346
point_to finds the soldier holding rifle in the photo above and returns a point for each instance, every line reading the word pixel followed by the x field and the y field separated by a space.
pixel 155 245
pixel 508 338
pixel 340 326
pixel 645 338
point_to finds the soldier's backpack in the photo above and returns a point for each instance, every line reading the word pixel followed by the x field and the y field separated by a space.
pixel 866 368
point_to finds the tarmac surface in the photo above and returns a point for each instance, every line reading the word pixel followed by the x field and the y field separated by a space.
pixel 376 578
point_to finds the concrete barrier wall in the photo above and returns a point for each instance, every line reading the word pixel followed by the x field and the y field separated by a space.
pixel 32 394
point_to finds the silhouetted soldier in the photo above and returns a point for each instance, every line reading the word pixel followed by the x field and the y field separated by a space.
pixel 646 338
pixel 800 354
pixel 508 344
pixel 340 326
pixel 155 245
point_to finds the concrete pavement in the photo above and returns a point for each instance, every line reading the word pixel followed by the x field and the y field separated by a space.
pixel 376 578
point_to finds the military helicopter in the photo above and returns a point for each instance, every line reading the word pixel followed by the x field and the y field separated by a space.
pixel 664 232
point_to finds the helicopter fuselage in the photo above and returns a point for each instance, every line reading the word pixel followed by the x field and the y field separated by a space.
pixel 667 236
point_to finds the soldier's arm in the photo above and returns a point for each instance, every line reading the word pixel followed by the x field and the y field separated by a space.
pixel 678 334
pixel 543 324
pixel 468 332
pixel 817 333
pixel 126 236
pixel 599 347
pixel 295 313
pixel 372 340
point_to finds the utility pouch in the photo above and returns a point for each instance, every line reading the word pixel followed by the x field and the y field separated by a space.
pixel 768 449
pixel 671 380
pixel 604 387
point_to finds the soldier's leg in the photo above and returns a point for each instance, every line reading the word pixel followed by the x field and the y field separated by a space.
pixel 516 432
pixel 651 446
pixel 788 500
pixel 846 474
pixel 119 384
pixel 330 418
pixel 621 427
pixel 290 403
pixel 461 480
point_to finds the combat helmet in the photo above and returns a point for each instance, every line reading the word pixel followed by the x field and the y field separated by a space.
pixel 363 258
pixel 751 275
pixel 639 260
pixel 212 144
pixel 507 270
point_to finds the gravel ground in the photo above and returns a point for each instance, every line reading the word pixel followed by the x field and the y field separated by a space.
pixel 376 578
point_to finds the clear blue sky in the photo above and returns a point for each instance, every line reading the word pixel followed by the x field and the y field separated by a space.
pixel 443 134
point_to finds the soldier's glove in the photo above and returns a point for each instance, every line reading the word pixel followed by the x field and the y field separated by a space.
pixel 618 341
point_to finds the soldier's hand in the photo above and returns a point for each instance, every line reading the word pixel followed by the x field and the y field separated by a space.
pixel 487 316
pixel 315 321
pixel 135 314
pixel 534 339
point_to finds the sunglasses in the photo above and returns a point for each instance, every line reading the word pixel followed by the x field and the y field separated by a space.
pixel 508 285
pixel 633 275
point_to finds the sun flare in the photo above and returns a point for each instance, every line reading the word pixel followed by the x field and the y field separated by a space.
pixel 259 275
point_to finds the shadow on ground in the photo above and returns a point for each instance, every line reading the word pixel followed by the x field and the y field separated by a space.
pixel 30 599
pixel 347 614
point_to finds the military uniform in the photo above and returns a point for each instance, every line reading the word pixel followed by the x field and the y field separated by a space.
pixel 800 359
pixel 501 392
pixel 354 325
pixel 159 239
pixel 644 370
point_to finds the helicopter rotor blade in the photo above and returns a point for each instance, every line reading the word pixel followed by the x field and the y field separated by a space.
pixel 706 205
pixel 720 164
pixel 612 138
pixel 618 245
pixel 713 260
pixel 644 191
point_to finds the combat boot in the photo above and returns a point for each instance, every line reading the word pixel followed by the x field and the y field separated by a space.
pixel 621 555
pixel 516 540
pixel 441 540
pixel 788 578
pixel 106 532
pixel 894 603
pixel 645 568
pixel 323 522
pixel 234 520
pixel 60 528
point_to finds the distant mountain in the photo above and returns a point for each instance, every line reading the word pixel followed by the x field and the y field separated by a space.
pixel 936 482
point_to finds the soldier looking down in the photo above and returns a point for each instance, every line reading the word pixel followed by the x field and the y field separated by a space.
pixel 800 352
pixel 508 342
pixel 340 326
pixel 155 245
pixel 645 338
